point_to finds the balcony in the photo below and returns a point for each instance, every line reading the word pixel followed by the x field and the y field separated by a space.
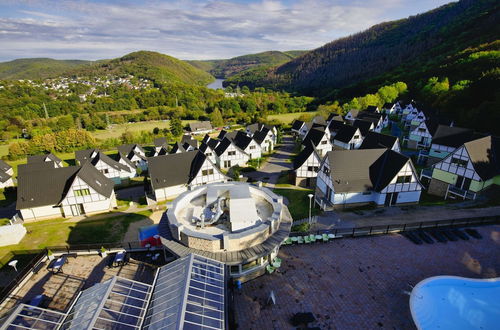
pixel 465 194
pixel 426 173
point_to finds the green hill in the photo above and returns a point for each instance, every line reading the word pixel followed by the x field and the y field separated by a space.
pixel 148 65
pixel 227 68
pixel 37 68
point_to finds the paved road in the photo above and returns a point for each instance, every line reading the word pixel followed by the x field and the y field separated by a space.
pixel 270 171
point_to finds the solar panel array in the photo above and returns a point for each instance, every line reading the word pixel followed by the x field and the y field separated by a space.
pixel 30 317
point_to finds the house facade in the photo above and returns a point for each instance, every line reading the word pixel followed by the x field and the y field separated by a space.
pixel 306 167
pixel 6 173
pixel 348 137
pixel 110 168
pixel 136 154
pixel 229 155
pixel 348 178
pixel 63 192
pixel 420 137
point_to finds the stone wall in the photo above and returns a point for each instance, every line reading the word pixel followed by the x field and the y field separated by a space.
pixel 437 187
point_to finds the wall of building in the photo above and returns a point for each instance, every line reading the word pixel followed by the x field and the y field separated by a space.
pixel 41 212
pixel 238 159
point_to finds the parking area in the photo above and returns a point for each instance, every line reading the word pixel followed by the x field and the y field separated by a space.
pixel 360 283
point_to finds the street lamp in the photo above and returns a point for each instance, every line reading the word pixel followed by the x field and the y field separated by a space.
pixel 13 263
pixel 310 205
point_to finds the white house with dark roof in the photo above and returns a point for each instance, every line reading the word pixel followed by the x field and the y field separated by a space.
pixel 111 169
pixel 374 140
pixel 447 139
pixel 46 192
pixel 266 139
pixel 351 115
pixel 170 175
pixel 391 108
pixel 349 178
pixel 420 137
pixel 6 173
pixel 200 127
pixel 306 166
pixel 247 144
pixel 135 153
pixel 297 127
pixel 229 155
pixel 319 139
pixel 161 146
pixel 45 158
pixel 208 146
pixel 348 137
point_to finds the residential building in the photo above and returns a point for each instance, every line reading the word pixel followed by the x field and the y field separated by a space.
pixel 200 127
pixel 171 175
pixel 364 126
pixel 266 139
pixel 208 146
pixel 467 170
pixel 136 154
pixel 161 146
pixel 247 145
pixel 229 155
pixel 419 138
pixel 376 119
pixel 297 127
pixel 349 178
pixel 47 192
pixel 45 158
pixel 348 137
pixel 447 139
pixel 319 139
pixel 109 167
pixel 352 115
pixel 392 108
pixel 374 140
pixel 306 166
pixel 6 173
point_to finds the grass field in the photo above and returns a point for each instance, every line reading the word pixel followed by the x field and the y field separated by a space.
pixel 298 202
pixel 57 232
pixel 117 130
pixel 288 118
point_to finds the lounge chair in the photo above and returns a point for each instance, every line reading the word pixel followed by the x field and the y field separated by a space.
pixel 269 269
pixel 288 241
pixel 307 239
pixel 325 238
pixel 276 262
pixel 312 237
pixel 300 240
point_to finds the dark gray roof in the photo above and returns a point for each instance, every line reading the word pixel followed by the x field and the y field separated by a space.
pixel 374 140
pixel 188 139
pixel 260 136
pixel 304 155
pixel 242 140
pixel 44 158
pixel 297 124
pixel 128 149
pixel 364 169
pixel 484 154
pixel 175 169
pixel 253 128
pixel 354 112
pixel 314 136
pixel 335 125
pixel 84 155
pixel 452 136
pixel 319 120
pixel 345 133
pixel 48 186
pixel 177 147
pixel 200 126
pixel 128 161
pixel 4 176
pixel 372 108
pixel 222 146
pixel 160 142
pixel 363 125
pixel 4 167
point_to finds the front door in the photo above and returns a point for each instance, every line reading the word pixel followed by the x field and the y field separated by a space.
pixel 391 199
pixel 77 209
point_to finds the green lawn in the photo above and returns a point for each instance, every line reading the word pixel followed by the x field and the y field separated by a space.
pixel 288 118
pixel 118 129
pixel 298 202
pixel 57 232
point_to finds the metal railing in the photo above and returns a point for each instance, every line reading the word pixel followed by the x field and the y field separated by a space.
pixel 465 194
pixel 395 228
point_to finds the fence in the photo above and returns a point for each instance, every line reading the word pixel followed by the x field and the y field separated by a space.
pixel 395 228
pixel 40 254
pixel 314 219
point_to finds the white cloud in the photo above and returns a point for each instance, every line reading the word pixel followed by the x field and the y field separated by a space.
pixel 181 28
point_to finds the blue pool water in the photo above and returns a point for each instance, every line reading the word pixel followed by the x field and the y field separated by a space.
pixel 147 232
pixel 450 302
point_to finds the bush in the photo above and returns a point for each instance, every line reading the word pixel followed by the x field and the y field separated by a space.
pixel 302 228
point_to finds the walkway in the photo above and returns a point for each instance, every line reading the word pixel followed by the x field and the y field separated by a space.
pixel 280 160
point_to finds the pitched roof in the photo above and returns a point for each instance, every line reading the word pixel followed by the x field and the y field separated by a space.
pixel 83 155
pixel 4 176
pixel 255 127
pixel 363 125
pixel 127 149
pixel 319 120
pixel 452 136
pixel 175 169
pixel 335 124
pixel 374 140
pixel 188 139
pixel 304 155
pixel 4 167
pixel 314 136
pixel 48 186
pixel 354 112
pixel 200 126
pixel 260 136
pixel 129 162
pixel 371 108
pixel 160 142
pixel 297 124
pixel 363 169
pixel 345 133
pixel 177 147
pixel 44 158
pixel 484 154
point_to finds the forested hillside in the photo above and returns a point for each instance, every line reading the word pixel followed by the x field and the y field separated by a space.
pixel 227 68
pixel 154 66
pixel 37 68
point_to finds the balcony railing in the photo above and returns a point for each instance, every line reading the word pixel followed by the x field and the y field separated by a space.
pixel 465 194
pixel 426 173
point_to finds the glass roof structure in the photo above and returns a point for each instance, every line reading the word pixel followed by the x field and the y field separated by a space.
pixel 30 317
pixel 117 303
pixel 188 293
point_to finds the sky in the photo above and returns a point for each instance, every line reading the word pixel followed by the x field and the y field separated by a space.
pixel 186 29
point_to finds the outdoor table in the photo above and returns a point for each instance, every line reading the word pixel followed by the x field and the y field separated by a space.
pixel 331 236
pixel 57 265
pixel 294 238
pixel 119 258
pixel 319 237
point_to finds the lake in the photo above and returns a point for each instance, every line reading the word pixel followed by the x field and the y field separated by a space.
pixel 216 84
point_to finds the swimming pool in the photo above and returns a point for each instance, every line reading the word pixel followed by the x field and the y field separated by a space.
pixel 451 302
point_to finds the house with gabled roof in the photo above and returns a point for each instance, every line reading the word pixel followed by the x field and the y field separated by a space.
pixel 364 126
pixel 372 109
pixel 306 166
pixel 228 154
pixel 348 178
pixel 348 137
pixel 47 192
pixel 419 138
pixel 352 115
pixel 45 158
pixel 256 127
pixel 208 146
pixel 375 118
pixel 266 139
pixel 467 170
pixel 247 145
pixel 109 167
pixel 414 120
pixel 447 139
pixel 374 140
pixel 173 174
pixel 6 173
pixel 200 127
pixel 161 146
pixel 297 127
pixel 136 154
pixel 391 108
pixel 319 139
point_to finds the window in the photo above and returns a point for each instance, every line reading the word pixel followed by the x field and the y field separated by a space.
pixel 356 137
pixel 324 142
pixel 82 192
pixel 252 147
pixel 227 163
pixel 326 170
pixel 208 154
pixel 403 179
pixel 459 162
pixel 207 172
pixel 422 130
pixel 231 153
pixel 105 171
pixel 312 168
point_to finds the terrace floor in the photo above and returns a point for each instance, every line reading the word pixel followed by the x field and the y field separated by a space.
pixel 78 273
pixel 360 283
